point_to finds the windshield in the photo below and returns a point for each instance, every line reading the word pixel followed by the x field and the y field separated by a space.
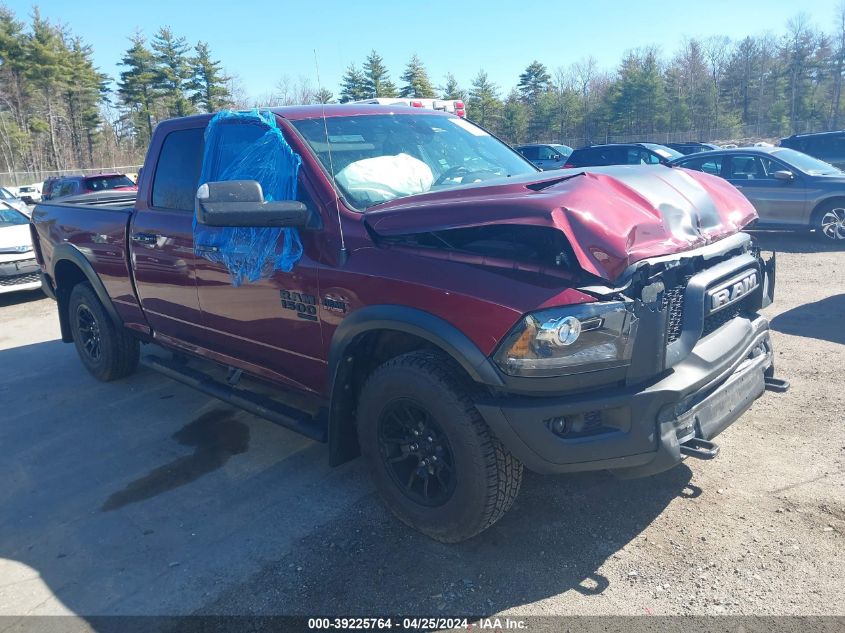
pixel 377 158
pixel 5 194
pixel 807 164
pixel 10 217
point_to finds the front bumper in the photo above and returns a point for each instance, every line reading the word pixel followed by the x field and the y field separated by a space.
pixel 638 431
pixel 18 273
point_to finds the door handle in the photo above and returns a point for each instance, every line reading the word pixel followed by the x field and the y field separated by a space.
pixel 145 238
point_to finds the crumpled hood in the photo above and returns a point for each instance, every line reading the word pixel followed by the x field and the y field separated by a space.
pixel 611 216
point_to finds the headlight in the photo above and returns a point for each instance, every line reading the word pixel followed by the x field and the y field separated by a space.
pixel 569 340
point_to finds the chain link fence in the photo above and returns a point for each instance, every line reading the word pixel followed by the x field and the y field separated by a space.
pixel 20 178
pixel 738 134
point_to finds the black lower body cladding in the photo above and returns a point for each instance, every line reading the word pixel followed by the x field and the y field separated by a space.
pixel 638 431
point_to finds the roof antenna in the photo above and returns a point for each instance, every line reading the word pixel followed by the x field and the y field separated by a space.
pixel 344 254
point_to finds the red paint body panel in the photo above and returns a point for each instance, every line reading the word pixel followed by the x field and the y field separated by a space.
pixel 611 216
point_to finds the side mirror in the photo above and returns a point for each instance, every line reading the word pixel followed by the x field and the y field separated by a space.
pixel 783 174
pixel 240 203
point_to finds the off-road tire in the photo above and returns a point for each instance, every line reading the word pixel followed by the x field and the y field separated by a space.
pixel 487 475
pixel 118 350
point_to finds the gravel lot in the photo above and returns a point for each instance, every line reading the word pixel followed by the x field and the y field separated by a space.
pixel 145 497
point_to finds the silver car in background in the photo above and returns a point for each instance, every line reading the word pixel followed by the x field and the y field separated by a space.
pixel 790 190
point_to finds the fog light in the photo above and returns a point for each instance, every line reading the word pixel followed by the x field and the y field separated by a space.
pixel 558 425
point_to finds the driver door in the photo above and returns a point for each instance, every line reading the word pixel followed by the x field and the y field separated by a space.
pixel 268 326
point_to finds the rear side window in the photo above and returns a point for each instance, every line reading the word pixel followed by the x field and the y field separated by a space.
pixel 547 153
pixel 585 157
pixel 531 153
pixel 708 164
pixel 178 170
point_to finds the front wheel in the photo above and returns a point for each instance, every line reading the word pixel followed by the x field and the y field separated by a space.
pixel 435 462
pixel 108 352
pixel 830 222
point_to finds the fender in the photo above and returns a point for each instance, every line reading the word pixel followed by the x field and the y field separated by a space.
pixel 69 252
pixel 437 331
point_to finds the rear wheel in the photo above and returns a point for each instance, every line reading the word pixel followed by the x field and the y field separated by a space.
pixel 108 352
pixel 830 222
pixel 435 462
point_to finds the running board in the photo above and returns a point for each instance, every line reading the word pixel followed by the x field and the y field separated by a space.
pixel 315 428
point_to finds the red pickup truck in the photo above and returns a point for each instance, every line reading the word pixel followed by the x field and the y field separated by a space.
pixel 399 283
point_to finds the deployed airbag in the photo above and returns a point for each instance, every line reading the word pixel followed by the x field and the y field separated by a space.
pixel 385 177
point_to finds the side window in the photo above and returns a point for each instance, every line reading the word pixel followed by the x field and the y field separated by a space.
pixel 547 153
pixel 650 158
pixel 177 171
pixel 531 153
pixel 708 164
pixel 638 156
pixel 744 167
pixel 614 156
pixel 770 167
pixel 235 140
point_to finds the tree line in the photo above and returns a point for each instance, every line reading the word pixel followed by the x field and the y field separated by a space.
pixel 58 111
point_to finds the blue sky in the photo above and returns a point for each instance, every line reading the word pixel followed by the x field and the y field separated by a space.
pixel 260 41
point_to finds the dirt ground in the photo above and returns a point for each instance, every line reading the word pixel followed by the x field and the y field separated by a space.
pixel 259 529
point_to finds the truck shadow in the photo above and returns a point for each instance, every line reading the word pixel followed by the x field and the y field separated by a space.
pixel 16 298
pixel 823 319
pixel 144 497
pixel 554 540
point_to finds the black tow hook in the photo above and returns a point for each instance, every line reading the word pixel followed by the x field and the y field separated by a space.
pixel 778 385
pixel 700 448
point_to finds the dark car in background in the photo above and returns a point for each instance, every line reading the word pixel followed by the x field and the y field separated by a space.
pixel 47 187
pixel 546 156
pixel 692 147
pixel 621 154
pixel 75 185
pixel 789 189
pixel 826 146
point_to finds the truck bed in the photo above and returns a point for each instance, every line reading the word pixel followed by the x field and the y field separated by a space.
pixel 93 226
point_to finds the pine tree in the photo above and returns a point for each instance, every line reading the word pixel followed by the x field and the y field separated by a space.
pixel 353 86
pixel 483 105
pixel 86 87
pixel 514 118
pixel 208 83
pixel 44 54
pixel 172 71
pixel 417 82
pixel 136 88
pixel 451 90
pixel 376 78
pixel 533 82
pixel 323 95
